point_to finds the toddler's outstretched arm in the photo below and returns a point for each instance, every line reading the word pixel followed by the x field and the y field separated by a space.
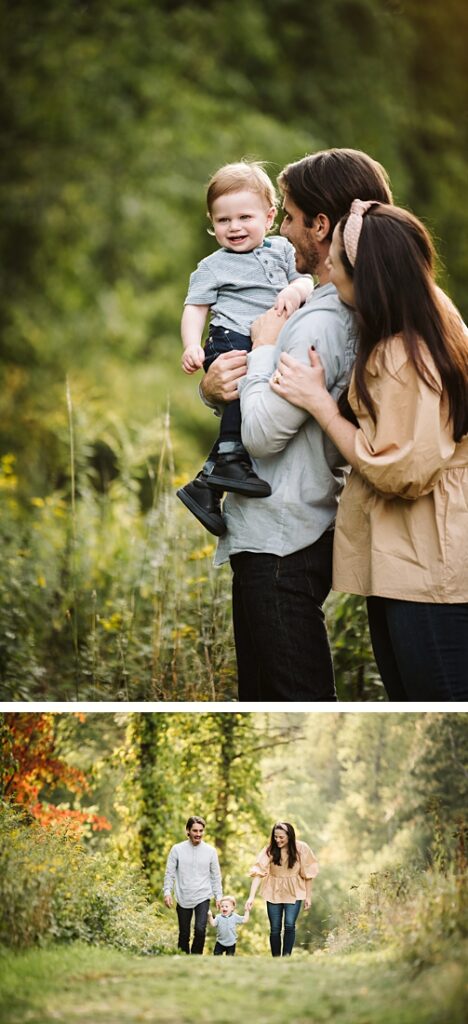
pixel 191 329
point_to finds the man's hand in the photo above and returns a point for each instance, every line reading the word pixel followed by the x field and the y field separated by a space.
pixel 168 900
pixel 192 358
pixel 265 329
pixel 220 382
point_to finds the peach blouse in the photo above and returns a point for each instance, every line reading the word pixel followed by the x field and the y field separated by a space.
pixel 281 884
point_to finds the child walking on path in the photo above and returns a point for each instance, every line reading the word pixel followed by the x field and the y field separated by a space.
pixel 247 275
pixel 226 926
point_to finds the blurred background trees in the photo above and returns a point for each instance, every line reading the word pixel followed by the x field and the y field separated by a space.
pixel 380 798
pixel 113 119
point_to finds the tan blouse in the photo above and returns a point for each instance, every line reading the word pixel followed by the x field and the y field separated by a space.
pixel 281 884
pixel 402 524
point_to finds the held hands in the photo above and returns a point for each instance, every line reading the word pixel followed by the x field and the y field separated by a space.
pixel 301 385
pixel 288 300
pixel 248 905
pixel 193 358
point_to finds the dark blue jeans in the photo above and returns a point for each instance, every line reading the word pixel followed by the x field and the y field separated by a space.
pixel 276 912
pixel 220 949
pixel 184 915
pixel 281 639
pixel 222 340
pixel 421 649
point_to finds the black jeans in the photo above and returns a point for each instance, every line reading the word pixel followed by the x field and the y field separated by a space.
pixel 185 918
pixel 276 912
pixel 222 340
pixel 282 647
pixel 220 949
pixel 421 649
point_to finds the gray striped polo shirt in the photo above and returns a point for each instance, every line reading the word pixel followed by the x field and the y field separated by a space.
pixel 239 286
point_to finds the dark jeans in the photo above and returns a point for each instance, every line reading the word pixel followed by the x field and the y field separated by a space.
pixel 421 649
pixel 185 918
pixel 276 912
pixel 281 640
pixel 222 340
pixel 220 949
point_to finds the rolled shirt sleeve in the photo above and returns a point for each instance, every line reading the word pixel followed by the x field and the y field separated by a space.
pixel 404 453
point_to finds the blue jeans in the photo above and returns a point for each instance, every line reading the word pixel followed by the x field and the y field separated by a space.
pixel 276 912
pixel 223 340
pixel 421 649
pixel 281 639
pixel 220 949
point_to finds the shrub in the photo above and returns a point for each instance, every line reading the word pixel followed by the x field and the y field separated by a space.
pixel 51 888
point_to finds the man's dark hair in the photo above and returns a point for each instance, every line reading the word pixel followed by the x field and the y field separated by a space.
pixel 194 821
pixel 328 181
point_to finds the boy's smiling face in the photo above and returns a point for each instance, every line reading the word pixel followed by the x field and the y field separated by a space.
pixel 241 220
pixel 226 908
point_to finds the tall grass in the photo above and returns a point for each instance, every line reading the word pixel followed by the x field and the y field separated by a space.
pixel 107 589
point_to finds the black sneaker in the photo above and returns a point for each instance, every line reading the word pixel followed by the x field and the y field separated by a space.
pixel 205 503
pixel 232 472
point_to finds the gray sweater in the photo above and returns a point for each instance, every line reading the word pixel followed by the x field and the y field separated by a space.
pixel 289 449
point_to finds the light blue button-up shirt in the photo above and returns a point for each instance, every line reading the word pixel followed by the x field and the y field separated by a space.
pixel 289 449
pixel 239 286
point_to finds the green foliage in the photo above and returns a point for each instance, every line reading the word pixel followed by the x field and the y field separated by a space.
pixel 355 670
pixel 52 890
pixel 413 912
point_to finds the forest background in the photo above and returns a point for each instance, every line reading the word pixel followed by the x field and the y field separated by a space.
pixel 90 805
pixel 114 117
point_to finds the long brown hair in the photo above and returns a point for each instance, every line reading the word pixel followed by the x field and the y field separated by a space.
pixel 395 293
pixel 273 850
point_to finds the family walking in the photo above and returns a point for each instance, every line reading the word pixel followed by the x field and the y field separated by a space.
pixel 367 369
pixel 283 873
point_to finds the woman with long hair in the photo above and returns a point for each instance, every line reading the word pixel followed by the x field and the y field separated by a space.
pixel 284 871
pixel 401 535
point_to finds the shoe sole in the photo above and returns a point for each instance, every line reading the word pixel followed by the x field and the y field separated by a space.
pixel 210 522
pixel 237 487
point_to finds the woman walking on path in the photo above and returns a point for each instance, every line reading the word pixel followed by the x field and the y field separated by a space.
pixel 401 535
pixel 284 871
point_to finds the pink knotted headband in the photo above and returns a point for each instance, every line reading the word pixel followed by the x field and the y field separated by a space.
pixel 353 226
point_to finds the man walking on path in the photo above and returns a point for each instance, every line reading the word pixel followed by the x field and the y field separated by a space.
pixel 193 870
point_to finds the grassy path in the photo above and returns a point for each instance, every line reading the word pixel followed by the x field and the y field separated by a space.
pixel 103 986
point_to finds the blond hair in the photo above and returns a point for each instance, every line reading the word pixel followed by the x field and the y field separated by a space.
pixel 245 174
pixel 231 899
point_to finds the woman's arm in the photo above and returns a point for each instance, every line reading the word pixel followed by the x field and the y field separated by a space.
pixel 304 386
pixel 253 889
pixel 308 895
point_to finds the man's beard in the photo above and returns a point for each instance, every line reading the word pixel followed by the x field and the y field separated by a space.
pixel 307 257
